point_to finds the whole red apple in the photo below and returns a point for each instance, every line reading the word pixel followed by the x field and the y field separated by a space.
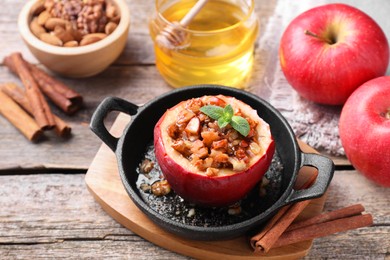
pixel 329 51
pixel 365 129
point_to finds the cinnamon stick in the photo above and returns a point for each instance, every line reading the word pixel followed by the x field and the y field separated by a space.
pixel 19 118
pixel 263 241
pixel 325 217
pixel 18 95
pixel 65 98
pixel 40 108
pixel 61 95
pixel 324 229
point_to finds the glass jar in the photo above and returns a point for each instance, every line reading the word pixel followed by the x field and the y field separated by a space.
pixel 218 46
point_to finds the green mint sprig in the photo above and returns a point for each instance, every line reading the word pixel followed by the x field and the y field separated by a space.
pixel 225 116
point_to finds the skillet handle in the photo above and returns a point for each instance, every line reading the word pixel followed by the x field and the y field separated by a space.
pixel 108 105
pixel 325 167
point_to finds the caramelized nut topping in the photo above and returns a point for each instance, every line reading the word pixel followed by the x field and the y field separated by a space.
pixel 209 148
pixel 161 188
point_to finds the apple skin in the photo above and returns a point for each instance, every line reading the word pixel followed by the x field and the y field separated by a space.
pixel 365 129
pixel 204 190
pixel 328 73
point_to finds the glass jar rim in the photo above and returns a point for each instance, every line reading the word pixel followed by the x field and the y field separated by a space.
pixel 231 27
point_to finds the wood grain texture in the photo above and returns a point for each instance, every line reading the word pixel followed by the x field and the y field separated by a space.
pixel 53 215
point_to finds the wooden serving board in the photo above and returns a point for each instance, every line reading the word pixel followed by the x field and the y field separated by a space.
pixel 104 183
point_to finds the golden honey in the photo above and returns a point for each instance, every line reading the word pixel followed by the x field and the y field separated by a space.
pixel 219 43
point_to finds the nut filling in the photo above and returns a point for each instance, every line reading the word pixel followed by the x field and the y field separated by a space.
pixel 208 147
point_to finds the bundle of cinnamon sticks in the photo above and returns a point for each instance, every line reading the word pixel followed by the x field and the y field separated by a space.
pixel 28 109
pixel 281 230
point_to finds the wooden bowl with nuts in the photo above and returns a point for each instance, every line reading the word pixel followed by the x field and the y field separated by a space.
pixel 75 38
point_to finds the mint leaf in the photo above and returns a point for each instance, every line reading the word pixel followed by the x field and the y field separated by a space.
pixel 215 112
pixel 225 116
pixel 222 122
pixel 228 112
pixel 240 124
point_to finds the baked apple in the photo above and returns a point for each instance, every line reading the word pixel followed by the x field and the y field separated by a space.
pixel 213 149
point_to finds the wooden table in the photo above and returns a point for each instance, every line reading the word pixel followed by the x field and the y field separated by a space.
pixel 46 210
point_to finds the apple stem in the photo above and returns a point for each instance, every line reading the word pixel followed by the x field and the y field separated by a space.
pixel 387 115
pixel 307 32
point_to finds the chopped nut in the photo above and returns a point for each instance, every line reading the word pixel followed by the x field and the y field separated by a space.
pixel 237 165
pixel 191 213
pixel 212 172
pixel 199 149
pixel 209 137
pixel 185 116
pixel 221 158
pixel 182 147
pixel 194 105
pixel 234 210
pixel 161 188
pixel 221 145
pixel 146 166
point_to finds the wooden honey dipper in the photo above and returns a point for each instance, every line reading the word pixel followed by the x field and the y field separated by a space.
pixel 172 36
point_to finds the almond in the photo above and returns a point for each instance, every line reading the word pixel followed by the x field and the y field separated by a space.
pixel 76 34
pixel 42 17
pixel 36 29
pixel 110 27
pixel 50 39
pixel 51 23
pixel 62 34
pixel 111 10
pixel 92 38
pixel 71 44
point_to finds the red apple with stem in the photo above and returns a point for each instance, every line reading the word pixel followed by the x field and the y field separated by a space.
pixel 329 51
pixel 365 129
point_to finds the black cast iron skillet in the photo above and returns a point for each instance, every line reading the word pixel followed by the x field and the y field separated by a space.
pixel 139 133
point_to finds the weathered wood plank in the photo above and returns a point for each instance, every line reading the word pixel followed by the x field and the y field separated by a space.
pixel 104 249
pixel 54 215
